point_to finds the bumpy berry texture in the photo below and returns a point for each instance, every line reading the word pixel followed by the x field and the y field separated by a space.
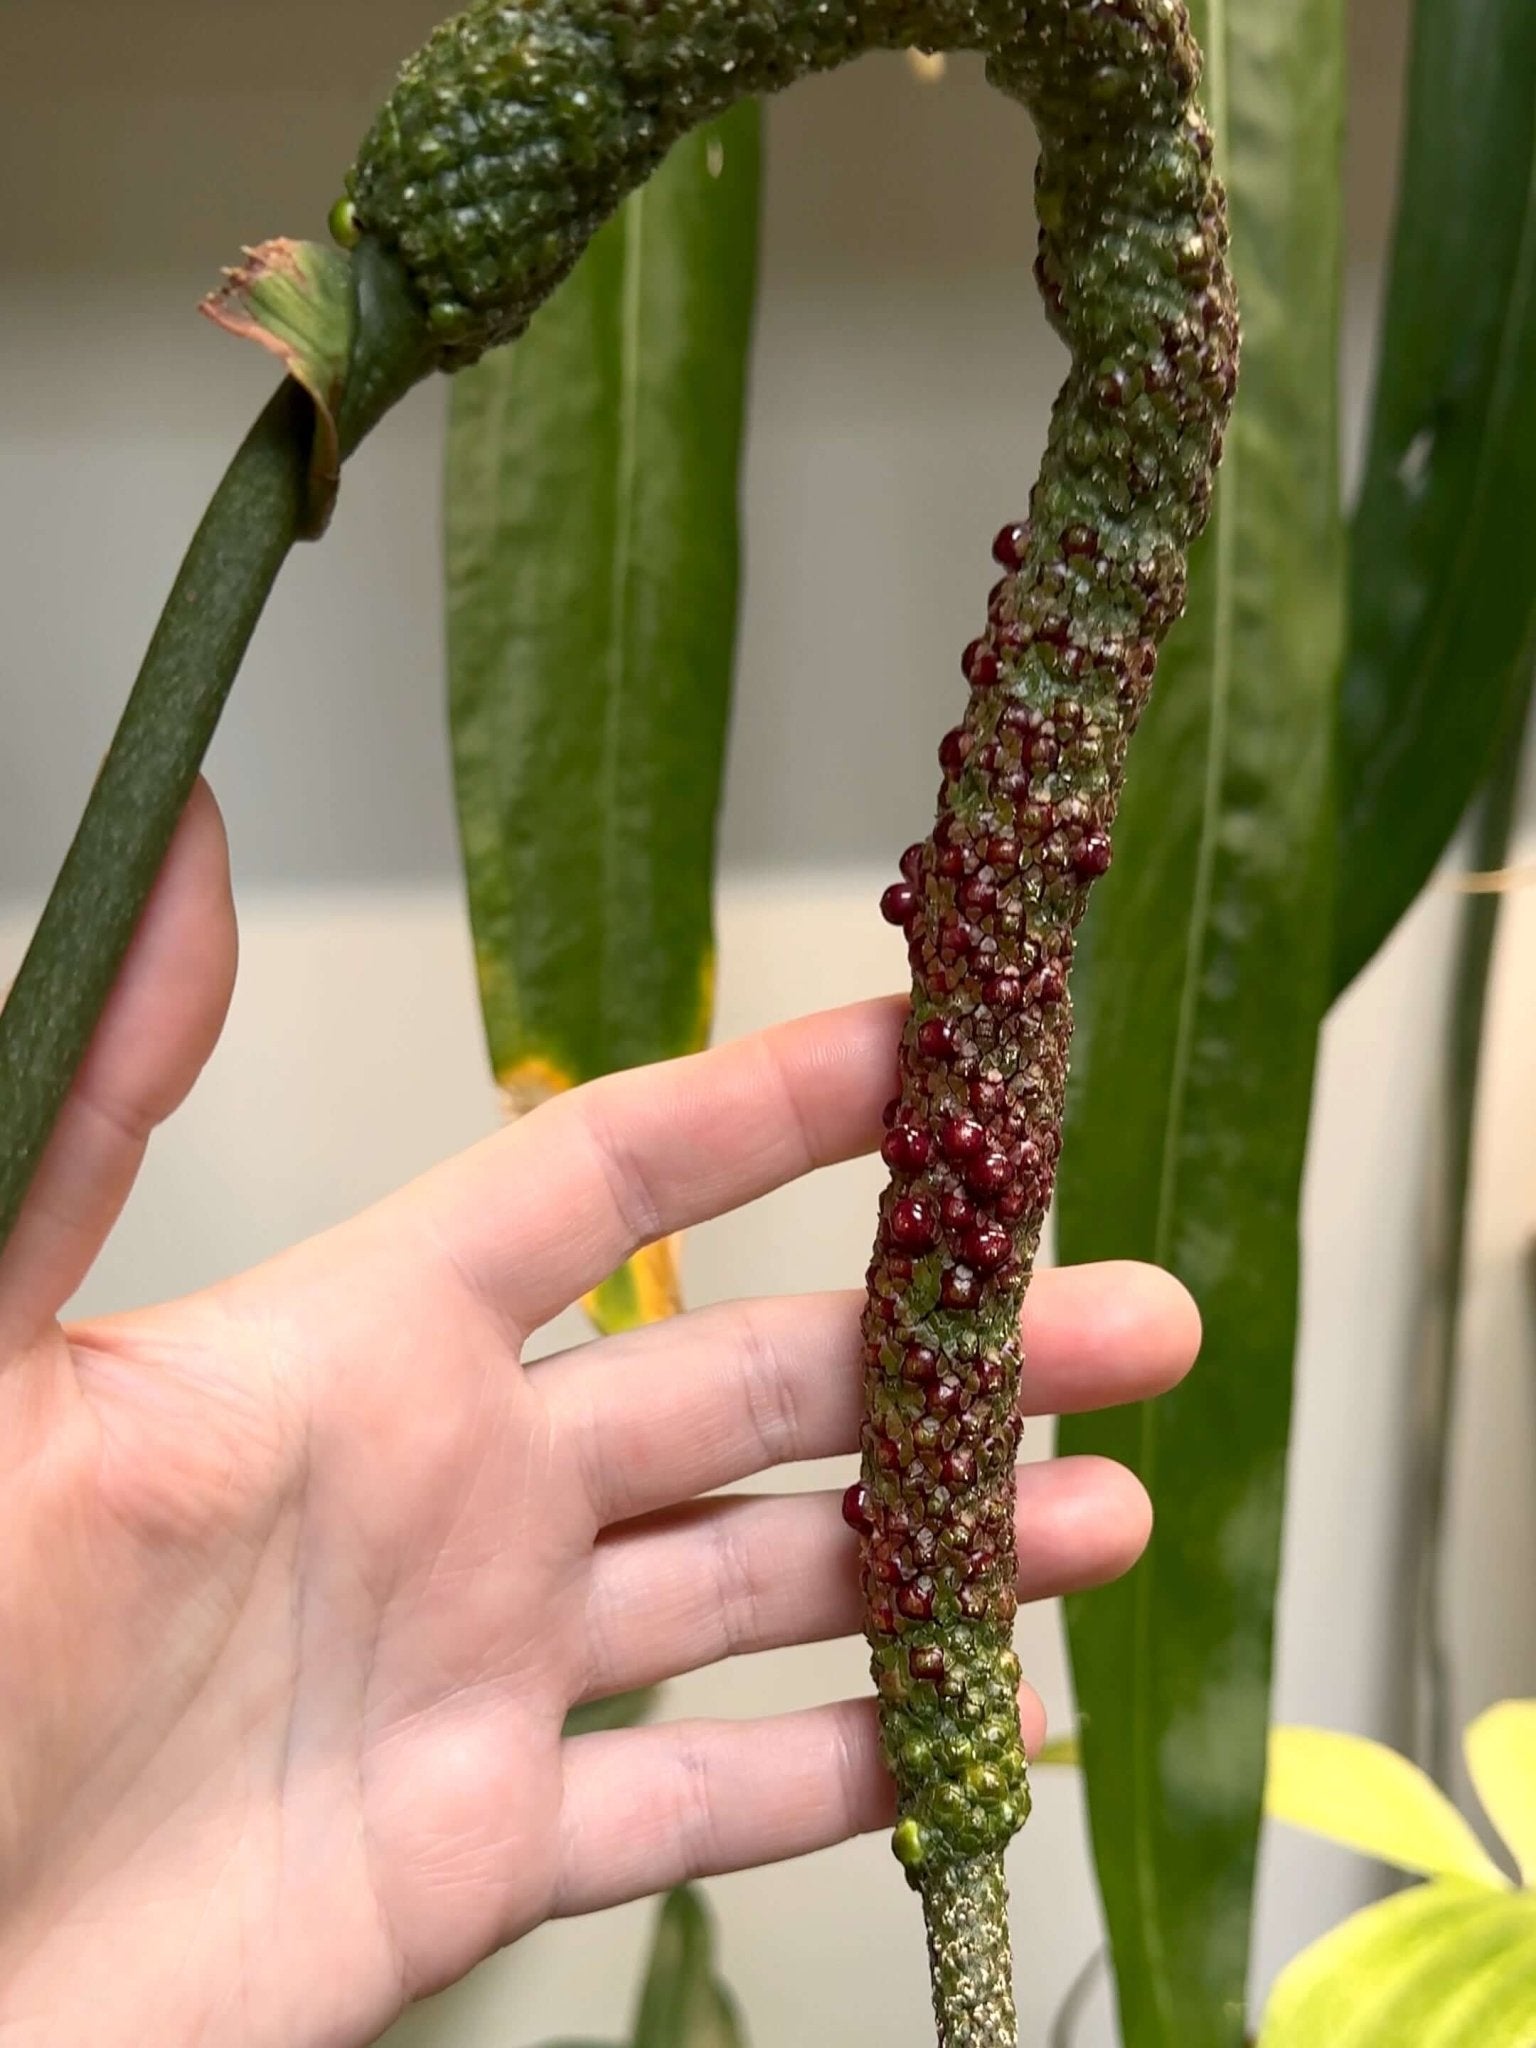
pixel 509 138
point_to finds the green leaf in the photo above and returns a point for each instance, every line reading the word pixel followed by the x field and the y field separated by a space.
pixel 619 1710
pixel 1061 1749
pixel 592 553
pixel 684 2005
pixel 1443 1965
pixel 1501 1756
pixel 1207 960
pixel 1442 601
pixel 1367 1797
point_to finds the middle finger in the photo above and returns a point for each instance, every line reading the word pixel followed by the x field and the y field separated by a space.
pixel 683 1407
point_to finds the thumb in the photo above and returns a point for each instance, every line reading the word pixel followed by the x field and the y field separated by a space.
pixel 161 1022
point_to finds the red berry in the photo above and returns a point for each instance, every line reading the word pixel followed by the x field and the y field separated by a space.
pixel 953 749
pixel 989 1174
pixel 912 862
pixel 898 903
pixel 1050 984
pixel 960 1137
pixel 920 1364
pixel 979 665
pixel 935 1037
pixel 1011 544
pixel 913 1223
pixel 986 1247
pixel 906 1148
pixel 956 1211
pixel 960 1470
pixel 856 1508
pixel 916 1601
pixel 1090 856
pixel 927 1661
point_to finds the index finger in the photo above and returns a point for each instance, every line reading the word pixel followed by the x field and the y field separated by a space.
pixel 537 1215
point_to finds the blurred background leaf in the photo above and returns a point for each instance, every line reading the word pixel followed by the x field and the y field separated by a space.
pixel 1207 975
pixel 684 2004
pixel 592 566
pixel 1442 598
pixel 620 1710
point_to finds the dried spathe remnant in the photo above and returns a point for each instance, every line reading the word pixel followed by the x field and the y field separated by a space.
pixel 509 138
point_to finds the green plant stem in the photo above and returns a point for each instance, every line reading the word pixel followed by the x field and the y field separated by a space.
pixel 255 516
pixel 1469 1003
pixel 145 781
pixel 965 1910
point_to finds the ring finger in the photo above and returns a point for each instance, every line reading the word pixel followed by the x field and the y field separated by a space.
pixel 722 1578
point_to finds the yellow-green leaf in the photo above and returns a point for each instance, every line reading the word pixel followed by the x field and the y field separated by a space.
pixel 1501 1755
pixel 1366 1796
pixel 1061 1749
pixel 1443 1965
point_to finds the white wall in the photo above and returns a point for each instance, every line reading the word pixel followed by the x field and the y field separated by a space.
pixel 902 375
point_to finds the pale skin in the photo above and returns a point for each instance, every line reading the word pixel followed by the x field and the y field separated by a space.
pixel 302 1573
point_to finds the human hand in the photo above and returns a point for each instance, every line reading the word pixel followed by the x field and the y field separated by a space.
pixel 303 1572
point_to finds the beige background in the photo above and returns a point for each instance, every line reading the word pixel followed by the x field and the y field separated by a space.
pixel 902 377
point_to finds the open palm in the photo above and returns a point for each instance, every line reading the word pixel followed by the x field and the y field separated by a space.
pixel 304 1572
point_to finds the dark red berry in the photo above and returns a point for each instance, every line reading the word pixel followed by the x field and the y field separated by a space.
pixel 956 1211
pixel 920 1364
pixel 856 1508
pixel 979 665
pixel 960 1137
pixel 935 1037
pixel 988 1174
pixel 911 862
pixel 1080 540
pixel 1090 856
pixel 927 1661
pixel 916 1601
pixel 954 749
pixel 1011 544
pixel 1050 984
pixel 979 896
pixel 913 1223
pixel 986 1247
pixel 899 903
pixel 906 1148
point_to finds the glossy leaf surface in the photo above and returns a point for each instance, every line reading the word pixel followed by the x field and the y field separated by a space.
pixel 1442 590
pixel 1207 972
pixel 1444 1965
pixel 1367 1797
pixel 592 553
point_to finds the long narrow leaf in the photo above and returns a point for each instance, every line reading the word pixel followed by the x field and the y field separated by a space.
pixel 1442 596
pixel 1208 960
pixel 684 2004
pixel 592 579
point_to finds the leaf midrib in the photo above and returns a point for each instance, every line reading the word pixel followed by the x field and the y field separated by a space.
pixel 626 469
